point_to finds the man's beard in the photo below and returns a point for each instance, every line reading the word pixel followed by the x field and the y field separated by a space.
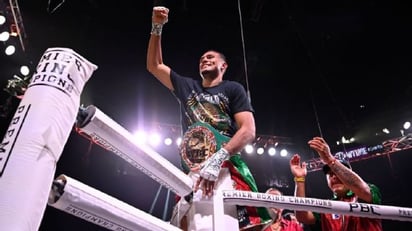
pixel 209 73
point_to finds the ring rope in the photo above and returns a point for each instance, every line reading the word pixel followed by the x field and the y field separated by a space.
pixel 317 205
pixel 101 129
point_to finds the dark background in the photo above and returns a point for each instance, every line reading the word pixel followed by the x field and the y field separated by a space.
pixel 312 68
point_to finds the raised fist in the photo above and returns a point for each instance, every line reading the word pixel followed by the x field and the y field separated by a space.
pixel 160 15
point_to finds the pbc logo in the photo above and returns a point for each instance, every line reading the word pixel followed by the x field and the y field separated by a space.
pixel 6 146
pixel 363 208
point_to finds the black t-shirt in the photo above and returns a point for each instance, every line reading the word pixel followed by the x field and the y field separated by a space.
pixel 213 105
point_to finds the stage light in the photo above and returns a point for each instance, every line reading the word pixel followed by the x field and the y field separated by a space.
pixel 4 36
pixel 272 151
pixel 140 137
pixel 24 70
pixel 260 151
pixel 10 49
pixel 168 141
pixel 407 125
pixel 283 152
pixel 347 141
pixel 154 139
pixel 178 141
pixel 2 19
pixel 249 148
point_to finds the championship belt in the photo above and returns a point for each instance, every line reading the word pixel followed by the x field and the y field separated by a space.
pixel 199 142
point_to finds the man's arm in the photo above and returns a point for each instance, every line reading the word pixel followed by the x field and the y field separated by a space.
pixel 210 171
pixel 299 171
pixel 244 135
pixel 352 180
pixel 305 217
pixel 348 177
pixel 154 59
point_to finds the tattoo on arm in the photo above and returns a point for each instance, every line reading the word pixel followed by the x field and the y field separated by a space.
pixel 346 175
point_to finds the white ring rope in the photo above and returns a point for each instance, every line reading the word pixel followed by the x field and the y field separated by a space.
pixel 87 203
pixel 317 205
pixel 107 133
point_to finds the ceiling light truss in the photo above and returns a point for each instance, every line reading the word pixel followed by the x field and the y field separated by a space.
pixel 397 144
pixel 17 27
pixel 387 147
pixel 271 141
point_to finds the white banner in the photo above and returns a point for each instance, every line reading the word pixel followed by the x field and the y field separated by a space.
pixel 36 137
